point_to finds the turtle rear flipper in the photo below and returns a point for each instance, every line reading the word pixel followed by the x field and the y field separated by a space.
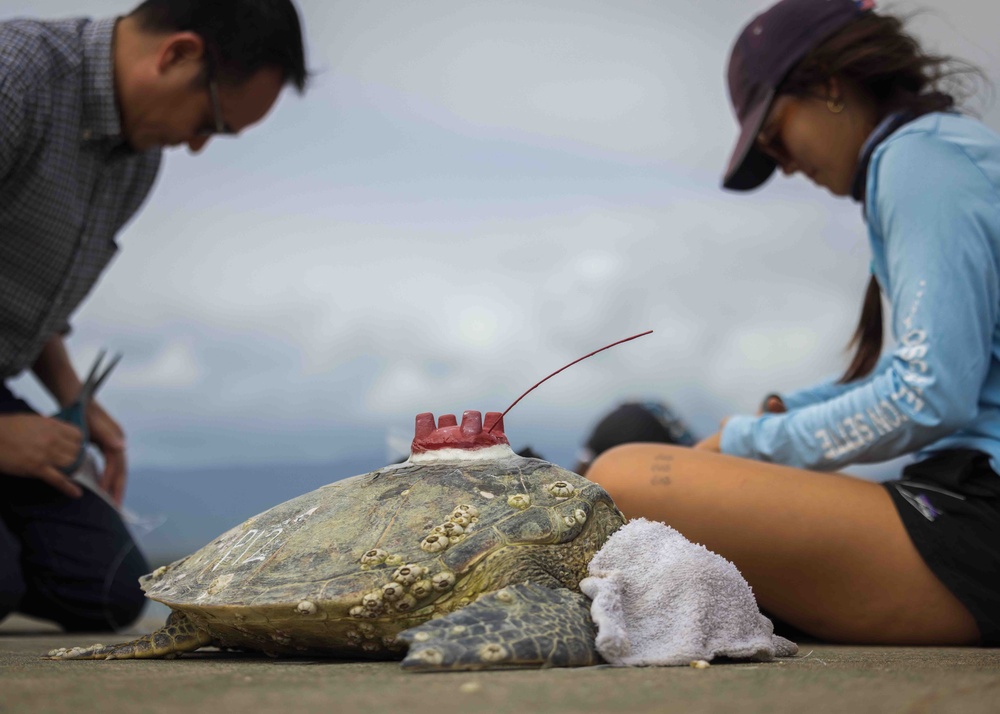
pixel 179 635
pixel 524 625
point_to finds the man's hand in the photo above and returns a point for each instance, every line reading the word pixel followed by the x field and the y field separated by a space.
pixel 33 446
pixel 107 435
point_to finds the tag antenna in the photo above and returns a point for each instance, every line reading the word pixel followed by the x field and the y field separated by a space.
pixel 606 347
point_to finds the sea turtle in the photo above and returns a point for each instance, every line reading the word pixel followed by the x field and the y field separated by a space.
pixel 467 554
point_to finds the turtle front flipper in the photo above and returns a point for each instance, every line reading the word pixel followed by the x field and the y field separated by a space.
pixel 179 635
pixel 524 625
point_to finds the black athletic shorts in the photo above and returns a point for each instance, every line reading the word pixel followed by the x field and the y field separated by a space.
pixel 950 506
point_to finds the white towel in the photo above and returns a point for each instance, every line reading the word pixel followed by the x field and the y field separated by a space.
pixel 659 599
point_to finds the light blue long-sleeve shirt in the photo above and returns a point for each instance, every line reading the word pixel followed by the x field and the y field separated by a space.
pixel 933 213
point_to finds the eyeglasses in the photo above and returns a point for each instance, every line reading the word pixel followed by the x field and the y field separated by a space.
pixel 220 124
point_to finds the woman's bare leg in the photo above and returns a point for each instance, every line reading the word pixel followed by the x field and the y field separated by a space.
pixel 824 552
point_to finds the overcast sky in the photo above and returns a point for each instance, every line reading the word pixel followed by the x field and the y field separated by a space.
pixel 470 195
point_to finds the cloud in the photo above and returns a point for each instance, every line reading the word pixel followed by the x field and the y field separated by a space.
pixel 175 366
pixel 471 196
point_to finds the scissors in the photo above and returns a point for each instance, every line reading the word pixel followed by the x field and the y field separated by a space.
pixel 76 413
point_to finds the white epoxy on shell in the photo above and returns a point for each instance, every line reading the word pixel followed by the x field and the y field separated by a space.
pixel 487 453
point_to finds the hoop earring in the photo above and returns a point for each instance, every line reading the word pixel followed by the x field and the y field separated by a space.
pixel 836 106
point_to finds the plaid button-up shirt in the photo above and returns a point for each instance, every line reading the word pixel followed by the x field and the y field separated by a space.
pixel 68 181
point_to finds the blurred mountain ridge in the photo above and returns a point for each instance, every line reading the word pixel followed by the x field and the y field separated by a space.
pixel 173 512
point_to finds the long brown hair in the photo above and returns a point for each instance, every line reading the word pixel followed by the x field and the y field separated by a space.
pixel 878 56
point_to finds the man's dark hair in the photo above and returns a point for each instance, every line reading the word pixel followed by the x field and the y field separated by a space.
pixel 241 37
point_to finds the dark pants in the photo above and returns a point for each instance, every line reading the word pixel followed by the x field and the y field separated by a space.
pixel 64 559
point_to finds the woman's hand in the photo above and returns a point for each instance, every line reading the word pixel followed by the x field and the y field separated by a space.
pixel 107 435
pixel 772 404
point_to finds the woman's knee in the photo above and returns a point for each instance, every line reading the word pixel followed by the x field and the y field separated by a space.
pixel 673 484
pixel 609 470
pixel 631 473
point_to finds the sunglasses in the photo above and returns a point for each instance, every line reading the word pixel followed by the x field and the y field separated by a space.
pixel 769 139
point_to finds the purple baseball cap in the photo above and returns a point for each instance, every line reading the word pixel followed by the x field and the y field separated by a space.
pixel 766 50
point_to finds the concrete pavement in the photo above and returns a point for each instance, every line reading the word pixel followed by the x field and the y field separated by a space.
pixel 822 679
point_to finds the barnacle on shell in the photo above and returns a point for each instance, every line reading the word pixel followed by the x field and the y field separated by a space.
pixel 449 529
pixel 434 543
pixel 372 602
pixel 374 556
pixel 421 588
pixel 306 608
pixel 443 581
pixel 560 489
pixel 519 501
pixel 409 573
pixel 464 514
pixel 393 591
pixel 405 603
pixel 159 572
